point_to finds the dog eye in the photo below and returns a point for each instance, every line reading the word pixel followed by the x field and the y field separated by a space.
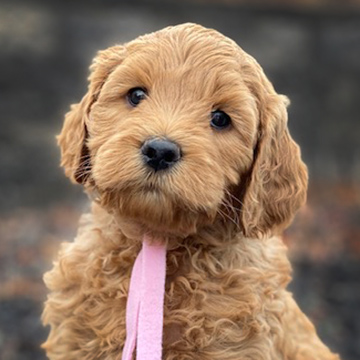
pixel 220 120
pixel 135 95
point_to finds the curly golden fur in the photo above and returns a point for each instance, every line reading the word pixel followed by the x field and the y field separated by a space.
pixel 219 210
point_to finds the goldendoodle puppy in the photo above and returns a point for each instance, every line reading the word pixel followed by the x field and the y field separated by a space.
pixel 182 136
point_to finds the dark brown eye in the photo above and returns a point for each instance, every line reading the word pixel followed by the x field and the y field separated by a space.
pixel 220 120
pixel 136 95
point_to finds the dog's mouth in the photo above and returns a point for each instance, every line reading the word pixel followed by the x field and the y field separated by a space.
pixel 155 209
pixel 178 197
pixel 150 188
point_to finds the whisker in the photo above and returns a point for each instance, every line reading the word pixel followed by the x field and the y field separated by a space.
pixel 227 216
pixel 232 209
pixel 234 197
pixel 230 204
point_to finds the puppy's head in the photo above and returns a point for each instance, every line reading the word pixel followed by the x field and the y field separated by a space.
pixel 181 128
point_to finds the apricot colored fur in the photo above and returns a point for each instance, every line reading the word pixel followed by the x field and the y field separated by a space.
pixel 219 209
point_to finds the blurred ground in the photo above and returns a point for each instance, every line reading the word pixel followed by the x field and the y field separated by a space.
pixel 311 53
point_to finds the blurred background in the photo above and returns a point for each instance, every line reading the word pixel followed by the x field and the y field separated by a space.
pixel 309 49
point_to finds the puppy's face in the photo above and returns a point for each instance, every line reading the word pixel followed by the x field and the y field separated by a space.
pixel 173 127
pixel 169 132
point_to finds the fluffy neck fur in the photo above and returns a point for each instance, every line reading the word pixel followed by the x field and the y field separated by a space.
pixel 225 297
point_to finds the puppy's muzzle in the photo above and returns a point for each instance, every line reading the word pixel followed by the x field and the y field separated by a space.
pixel 160 154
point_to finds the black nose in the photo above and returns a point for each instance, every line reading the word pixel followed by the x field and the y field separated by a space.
pixel 160 154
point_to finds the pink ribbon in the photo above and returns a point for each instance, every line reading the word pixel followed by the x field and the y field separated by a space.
pixel 145 304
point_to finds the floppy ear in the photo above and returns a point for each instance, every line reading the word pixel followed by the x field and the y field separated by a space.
pixel 75 157
pixel 276 184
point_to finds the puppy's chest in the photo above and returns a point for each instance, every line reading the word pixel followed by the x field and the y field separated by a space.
pixel 212 302
pixel 209 305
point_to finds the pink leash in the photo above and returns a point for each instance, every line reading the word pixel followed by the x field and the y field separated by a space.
pixel 145 304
